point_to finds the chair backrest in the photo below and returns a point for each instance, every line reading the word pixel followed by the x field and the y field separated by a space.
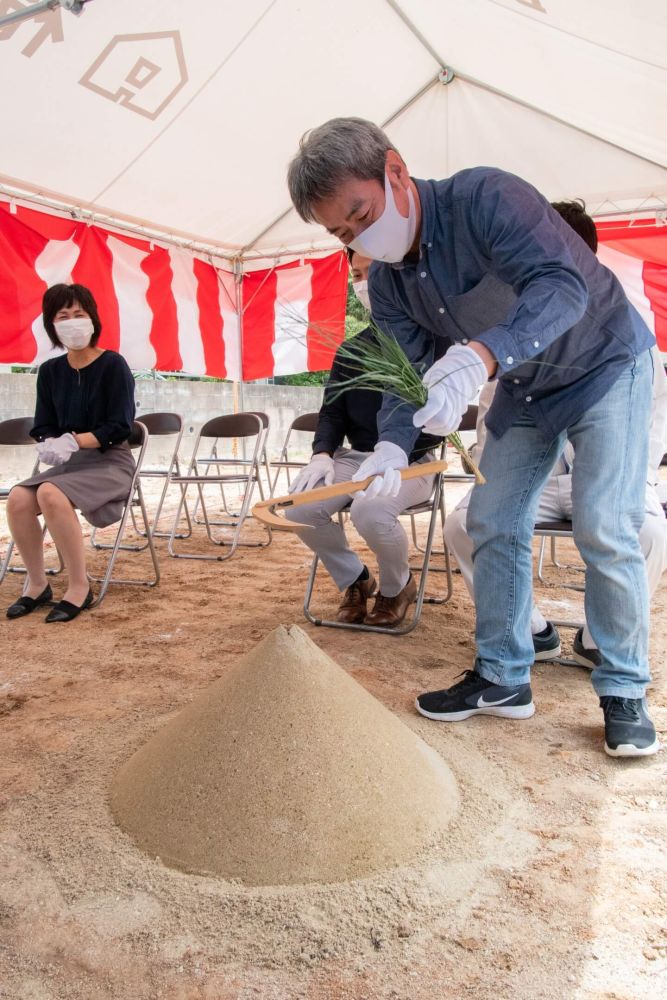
pixel 469 422
pixel 16 431
pixel 138 435
pixel 162 423
pixel 306 422
pixel 264 417
pixel 232 425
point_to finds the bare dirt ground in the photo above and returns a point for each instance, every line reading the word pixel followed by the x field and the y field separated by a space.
pixel 552 884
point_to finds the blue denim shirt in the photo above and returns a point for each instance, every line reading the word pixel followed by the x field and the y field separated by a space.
pixel 497 264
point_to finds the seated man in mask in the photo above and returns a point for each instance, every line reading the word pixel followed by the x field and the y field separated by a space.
pixel 353 415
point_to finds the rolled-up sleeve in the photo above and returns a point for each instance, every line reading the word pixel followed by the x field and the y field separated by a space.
pixel 394 418
pixel 519 232
pixel 119 397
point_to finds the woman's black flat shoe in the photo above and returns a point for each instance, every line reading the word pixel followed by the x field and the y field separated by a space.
pixel 64 611
pixel 25 605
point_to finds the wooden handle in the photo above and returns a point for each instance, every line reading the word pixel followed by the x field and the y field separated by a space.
pixel 340 489
pixel 264 509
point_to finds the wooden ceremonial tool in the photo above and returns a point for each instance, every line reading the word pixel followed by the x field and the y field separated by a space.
pixel 264 510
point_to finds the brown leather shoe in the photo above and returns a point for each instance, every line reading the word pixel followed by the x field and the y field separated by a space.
pixel 352 609
pixel 389 612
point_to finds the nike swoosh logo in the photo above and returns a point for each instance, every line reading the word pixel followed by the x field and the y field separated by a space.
pixel 482 703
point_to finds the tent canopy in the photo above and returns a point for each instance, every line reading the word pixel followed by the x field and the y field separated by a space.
pixel 181 118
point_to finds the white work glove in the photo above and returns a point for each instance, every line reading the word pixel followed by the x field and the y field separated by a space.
pixel 320 469
pixel 57 451
pixel 452 383
pixel 385 464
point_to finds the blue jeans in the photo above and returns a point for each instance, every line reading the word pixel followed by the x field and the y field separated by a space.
pixel 608 489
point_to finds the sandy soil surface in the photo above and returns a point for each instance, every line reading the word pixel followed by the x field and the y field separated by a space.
pixel 552 883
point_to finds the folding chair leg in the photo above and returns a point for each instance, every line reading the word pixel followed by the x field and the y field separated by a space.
pixel 238 526
pixel 107 579
pixel 438 510
pixel 6 568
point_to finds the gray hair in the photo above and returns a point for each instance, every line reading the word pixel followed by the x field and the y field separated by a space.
pixel 331 153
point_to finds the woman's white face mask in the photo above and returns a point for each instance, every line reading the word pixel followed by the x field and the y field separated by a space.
pixel 390 237
pixel 74 334
pixel 360 289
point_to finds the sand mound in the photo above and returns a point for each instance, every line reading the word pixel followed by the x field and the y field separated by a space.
pixel 284 771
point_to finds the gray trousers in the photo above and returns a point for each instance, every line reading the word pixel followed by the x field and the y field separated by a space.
pixel 376 521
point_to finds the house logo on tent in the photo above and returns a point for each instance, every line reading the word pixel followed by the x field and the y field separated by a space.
pixel 142 72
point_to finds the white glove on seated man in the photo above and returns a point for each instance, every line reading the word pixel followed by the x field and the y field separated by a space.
pixel 57 451
pixel 452 382
pixel 320 469
pixel 385 462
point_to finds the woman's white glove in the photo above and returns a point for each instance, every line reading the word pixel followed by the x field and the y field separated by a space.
pixel 452 383
pixel 57 451
pixel 385 464
pixel 320 469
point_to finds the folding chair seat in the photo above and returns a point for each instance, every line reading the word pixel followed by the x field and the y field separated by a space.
pixel 138 441
pixel 223 429
pixel 435 507
pixel 14 433
pixel 305 423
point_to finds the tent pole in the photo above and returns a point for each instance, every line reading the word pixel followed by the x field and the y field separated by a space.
pixel 237 391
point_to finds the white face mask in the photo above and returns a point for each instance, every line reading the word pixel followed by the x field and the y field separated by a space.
pixel 74 333
pixel 360 289
pixel 390 237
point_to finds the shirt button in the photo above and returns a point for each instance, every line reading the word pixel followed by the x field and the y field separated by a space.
pixel 528 399
pixel 536 343
pixel 429 245
pixel 464 340
pixel 423 274
pixel 510 360
pixel 441 309
pixel 516 381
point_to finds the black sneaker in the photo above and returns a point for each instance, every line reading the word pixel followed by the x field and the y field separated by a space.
pixel 476 696
pixel 628 730
pixel 547 643
pixel 584 655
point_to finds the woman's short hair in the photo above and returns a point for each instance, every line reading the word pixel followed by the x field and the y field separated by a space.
pixel 59 297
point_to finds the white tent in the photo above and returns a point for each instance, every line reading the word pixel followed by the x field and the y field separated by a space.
pixel 180 117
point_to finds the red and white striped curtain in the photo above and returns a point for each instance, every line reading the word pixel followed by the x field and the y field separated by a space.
pixel 166 309
pixel 636 251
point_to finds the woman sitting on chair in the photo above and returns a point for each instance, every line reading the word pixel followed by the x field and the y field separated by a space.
pixel 83 419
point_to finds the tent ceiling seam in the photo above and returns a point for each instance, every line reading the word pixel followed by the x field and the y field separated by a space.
pixel 580 38
pixel 395 6
pixel 388 121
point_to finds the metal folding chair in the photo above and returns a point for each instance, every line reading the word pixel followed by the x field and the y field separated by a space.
pixel 135 501
pixel 306 423
pixel 469 423
pixel 262 465
pixel 223 429
pixel 435 507
pixel 554 530
pixel 163 425
pixel 16 433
